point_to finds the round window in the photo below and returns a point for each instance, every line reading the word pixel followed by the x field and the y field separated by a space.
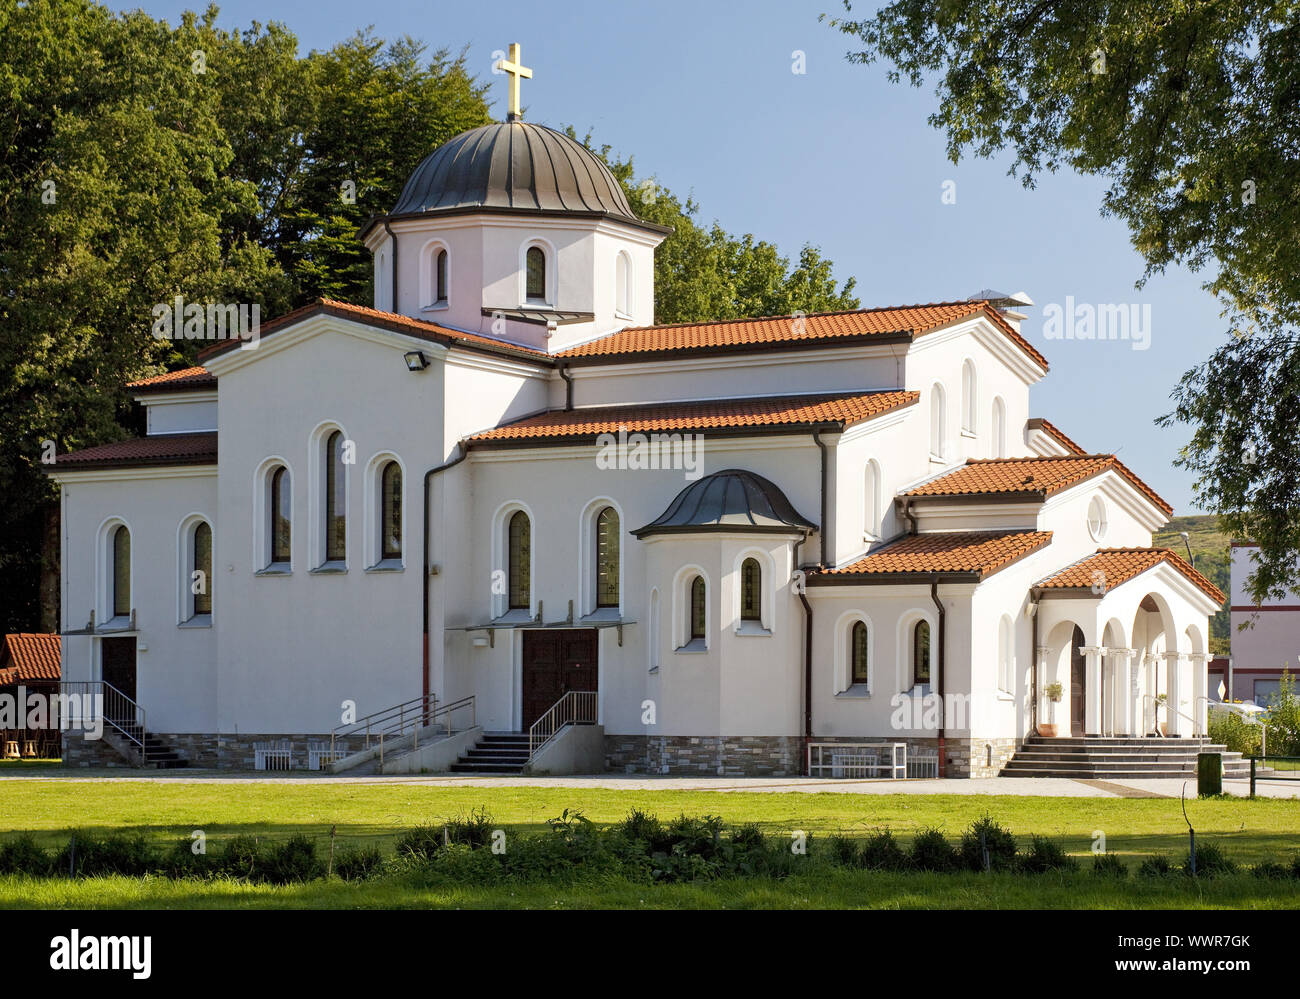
pixel 1097 518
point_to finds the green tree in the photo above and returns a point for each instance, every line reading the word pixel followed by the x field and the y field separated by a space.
pixel 1187 108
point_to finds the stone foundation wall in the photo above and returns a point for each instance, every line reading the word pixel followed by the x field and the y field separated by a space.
pixel 225 751
pixel 979 757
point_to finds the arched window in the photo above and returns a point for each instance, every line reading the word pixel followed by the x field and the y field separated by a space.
pixel 390 507
pixel 968 401
pixel 860 672
pixel 999 444
pixel 751 590
pixel 607 555
pixel 697 608
pixel 938 417
pixel 440 277
pixel 622 285
pixel 201 574
pixel 535 274
pixel 921 652
pixel 121 572
pixel 521 561
pixel 336 517
pixel 1006 656
pixel 281 515
pixel 871 500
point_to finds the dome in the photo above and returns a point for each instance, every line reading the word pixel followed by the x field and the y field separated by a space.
pixel 513 167
pixel 732 500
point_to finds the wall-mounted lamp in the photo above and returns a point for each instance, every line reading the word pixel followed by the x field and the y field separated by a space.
pixel 415 360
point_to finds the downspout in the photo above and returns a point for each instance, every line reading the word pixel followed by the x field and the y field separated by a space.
pixel 568 387
pixel 461 455
pixel 939 660
pixel 392 238
pixel 817 439
pixel 1035 595
pixel 807 607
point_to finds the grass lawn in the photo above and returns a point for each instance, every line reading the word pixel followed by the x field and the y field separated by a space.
pixel 366 814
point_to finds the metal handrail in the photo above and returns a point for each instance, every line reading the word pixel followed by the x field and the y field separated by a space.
pixel 1155 716
pixel 409 716
pixel 117 710
pixel 577 707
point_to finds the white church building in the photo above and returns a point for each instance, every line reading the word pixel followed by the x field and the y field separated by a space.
pixel 718 543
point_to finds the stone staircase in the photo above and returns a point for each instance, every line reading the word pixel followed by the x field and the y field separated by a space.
pixel 495 753
pixel 1112 758
pixel 158 755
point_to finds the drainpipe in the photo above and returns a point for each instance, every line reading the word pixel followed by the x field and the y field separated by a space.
pixel 461 455
pixel 568 387
pixel 807 659
pixel 938 662
pixel 392 238
pixel 1034 596
pixel 817 439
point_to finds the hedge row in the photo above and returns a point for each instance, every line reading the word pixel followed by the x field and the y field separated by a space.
pixel 641 847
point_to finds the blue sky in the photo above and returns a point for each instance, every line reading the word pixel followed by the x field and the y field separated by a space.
pixel 703 96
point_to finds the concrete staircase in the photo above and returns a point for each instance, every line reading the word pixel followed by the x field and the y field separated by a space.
pixel 495 753
pixel 1112 758
pixel 157 755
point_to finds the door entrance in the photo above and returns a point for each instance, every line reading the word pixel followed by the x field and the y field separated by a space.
pixel 556 661
pixel 1078 684
pixel 117 669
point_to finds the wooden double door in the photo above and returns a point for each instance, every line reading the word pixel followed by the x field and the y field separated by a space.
pixel 556 661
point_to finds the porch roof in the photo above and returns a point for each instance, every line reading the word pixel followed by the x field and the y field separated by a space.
pixel 1119 565
pixel 30 657
pixel 963 555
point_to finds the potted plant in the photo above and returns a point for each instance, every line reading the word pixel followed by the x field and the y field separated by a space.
pixel 1053 692
pixel 1161 700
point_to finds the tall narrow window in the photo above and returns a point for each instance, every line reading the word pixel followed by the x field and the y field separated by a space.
pixel 440 278
pixel 938 416
pixel 607 556
pixel 201 575
pixel 390 500
pixel 858 652
pixel 751 590
pixel 1006 661
pixel 336 520
pixel 697 608
pixel 521 561
pixel 535 266
pixel 871 500
pixel 622 285
pixel 121 572
pixel 999 429
pixel 281 515
pixel 921 652
pixel 968 401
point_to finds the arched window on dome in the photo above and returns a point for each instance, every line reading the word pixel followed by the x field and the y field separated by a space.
pixel 440 277
pixel 535 275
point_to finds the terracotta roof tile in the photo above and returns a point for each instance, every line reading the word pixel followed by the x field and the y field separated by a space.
pixel 818 328
pixel 176 381
pixel 1055 432
pixel 976 552
pixel 718 414
pixel 30 657
pixel 1118 565
pixel 162 449
pixel 386 320
pixel 1033 478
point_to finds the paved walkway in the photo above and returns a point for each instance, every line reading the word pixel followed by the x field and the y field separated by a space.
pixel 1051 787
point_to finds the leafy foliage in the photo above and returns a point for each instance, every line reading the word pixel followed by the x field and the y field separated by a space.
pixel 1187 110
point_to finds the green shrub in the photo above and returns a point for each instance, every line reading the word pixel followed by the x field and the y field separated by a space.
pixel 1271 870
pixel 932 852
pixel 1109 865
pixel 844 851
pixel 1284 719
pixel 292 861
pixel 1233 731
pixel 182 862
pixel 881 852
pixel 473 829
pixel 23 855
pixel 984 835
pixel 1046 855
pixel 241 857
pixel 1156 866
pixel 119 853
pixel 419 843
pixel 639 827
pixel 358 864
pixel 1210 861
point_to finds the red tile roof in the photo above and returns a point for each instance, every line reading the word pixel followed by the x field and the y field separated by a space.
pixel 175 381
pixel 30 657
pixel 908 322
pixel 1118 565
pixel 1055 432
pixel 162 449
pixel 975 553
pixel 1033 479
pixel 387 320
pixel 844 409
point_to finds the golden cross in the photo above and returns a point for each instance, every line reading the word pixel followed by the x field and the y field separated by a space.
pixel 516 70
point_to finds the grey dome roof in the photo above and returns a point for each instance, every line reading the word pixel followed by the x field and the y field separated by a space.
pixel 516 167
pixel 731 500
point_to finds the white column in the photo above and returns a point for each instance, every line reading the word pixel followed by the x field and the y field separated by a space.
pixel 1200 684
pixel 1148 705
pixel 1121 693
pixel 1175 720
pixel 1040 667
pixel 1092 689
